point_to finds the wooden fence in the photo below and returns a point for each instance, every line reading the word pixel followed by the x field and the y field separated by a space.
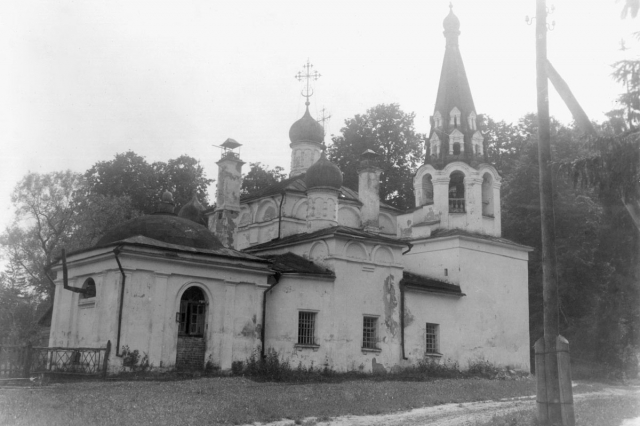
pixel 22 361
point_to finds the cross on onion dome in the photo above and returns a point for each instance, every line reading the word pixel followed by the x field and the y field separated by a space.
pixel 308 75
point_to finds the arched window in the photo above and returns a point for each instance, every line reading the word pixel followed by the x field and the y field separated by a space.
pixel 193 307
pixel 435 145
pixel 427 189
pixel 437 119
pixel 456 192
pixel 454 117
pixel 477 140
pixel 89 286
pixel 472 121
pixel 487 195
pixel 456 148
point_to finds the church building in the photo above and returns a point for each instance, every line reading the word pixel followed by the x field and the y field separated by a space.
pixel 320 273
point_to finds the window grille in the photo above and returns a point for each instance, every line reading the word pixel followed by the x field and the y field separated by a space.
pixel 192 315
pixel 370 333
pixel 432 338
pixel 90 286
pixel 306 328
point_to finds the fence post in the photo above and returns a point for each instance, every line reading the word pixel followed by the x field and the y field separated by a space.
pixel 105 362
pixel 27 361
pixel 541 378
pixel 564 374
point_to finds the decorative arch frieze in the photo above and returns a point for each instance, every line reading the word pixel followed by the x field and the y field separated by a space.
pixel 319 251
pixel 356 250
pixel 382 254
pixel 299 210
pixel 349 216
pixel 267 210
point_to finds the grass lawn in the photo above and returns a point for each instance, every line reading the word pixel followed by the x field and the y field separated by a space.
pixel 607 411
pixel 230 400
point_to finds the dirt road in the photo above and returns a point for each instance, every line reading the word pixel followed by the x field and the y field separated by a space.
pixel 464 414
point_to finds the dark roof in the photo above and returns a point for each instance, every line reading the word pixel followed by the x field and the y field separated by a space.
pixel 429 284
pixel 441 233
pixel 334 230
pixel 193 211
pixel 323 173
pixel 289 263
pixel 306 129
pixel 454 90
pixel 297 184
pixel 166 228
pixel 140 240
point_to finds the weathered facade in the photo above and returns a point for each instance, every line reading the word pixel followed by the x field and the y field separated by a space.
pixel 316 271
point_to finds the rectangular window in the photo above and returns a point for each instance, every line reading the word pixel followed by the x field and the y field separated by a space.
pixel 432 338
pixel 370 333
pixel 306 328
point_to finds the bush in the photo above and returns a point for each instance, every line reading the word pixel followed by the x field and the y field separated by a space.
pixel 237 368
pixel 483 369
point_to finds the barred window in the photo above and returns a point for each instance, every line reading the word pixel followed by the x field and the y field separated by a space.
pixel 432 338
pixel 370 333
pixel 89 286
pixel 306 328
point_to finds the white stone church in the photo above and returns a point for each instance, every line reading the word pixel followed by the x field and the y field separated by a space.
pixel 316 271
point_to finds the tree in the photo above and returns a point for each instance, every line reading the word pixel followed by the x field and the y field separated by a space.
pixel 53 211
pixel 260 178
pixel 130 175
pixel 389 132
pixel 184 177
pixel 127 174
pixel 45 207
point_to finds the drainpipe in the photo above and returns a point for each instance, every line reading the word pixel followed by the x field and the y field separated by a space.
pixel 124 279
pixel 65 276
pixel 280 213
pixel 409 249
pixel 276 277
pixel 402 317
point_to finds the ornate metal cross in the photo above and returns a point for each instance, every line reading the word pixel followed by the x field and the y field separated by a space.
pixel 308 75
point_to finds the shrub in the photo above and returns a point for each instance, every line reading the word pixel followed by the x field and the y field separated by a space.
pixel 482 368
pixel 237 368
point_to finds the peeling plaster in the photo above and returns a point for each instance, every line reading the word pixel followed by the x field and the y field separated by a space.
pixel 248 330
pixel 390 304
pixel 408 317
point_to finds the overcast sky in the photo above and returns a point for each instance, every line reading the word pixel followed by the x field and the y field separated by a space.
pixel 83 80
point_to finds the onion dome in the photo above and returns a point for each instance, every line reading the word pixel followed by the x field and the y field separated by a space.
pixel 306 130
pixel 165 227
pixel 323 174
pixel 451 23
pixel 166 204
pixel 192 211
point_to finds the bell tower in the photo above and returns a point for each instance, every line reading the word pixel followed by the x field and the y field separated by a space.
pixel 456 187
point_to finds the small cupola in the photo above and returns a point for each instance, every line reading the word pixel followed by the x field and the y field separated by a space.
pixel 307 129
pixel 323 174
pixel 451 24
pixel 166 204
pixel 192 211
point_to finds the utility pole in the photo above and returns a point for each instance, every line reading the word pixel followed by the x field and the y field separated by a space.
pixel 554 395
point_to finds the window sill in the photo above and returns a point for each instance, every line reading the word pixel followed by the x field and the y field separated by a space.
pixel 300 347
pixel 488 216
pixel 433 354
pixel 376 350
pixel 87 303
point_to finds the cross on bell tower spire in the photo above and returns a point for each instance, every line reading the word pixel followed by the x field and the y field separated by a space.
pixel 308 75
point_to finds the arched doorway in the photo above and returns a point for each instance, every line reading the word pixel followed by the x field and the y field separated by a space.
pixel 191 329
pixel 456 192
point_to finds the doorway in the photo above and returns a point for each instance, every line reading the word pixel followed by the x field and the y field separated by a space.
pixel 191 329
